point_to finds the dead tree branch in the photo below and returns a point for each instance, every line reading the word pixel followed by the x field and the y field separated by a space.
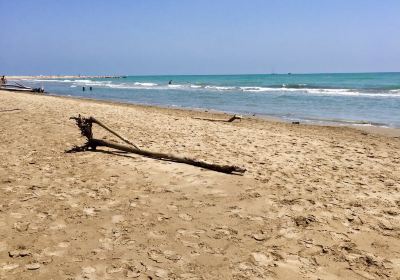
pixel 85 126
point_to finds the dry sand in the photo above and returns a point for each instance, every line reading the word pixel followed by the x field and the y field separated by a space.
pixel 316 202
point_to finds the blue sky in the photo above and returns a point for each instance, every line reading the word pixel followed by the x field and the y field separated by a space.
pixel 198 37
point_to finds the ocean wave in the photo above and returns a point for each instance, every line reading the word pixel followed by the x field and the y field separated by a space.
pixel 323 91
pixel 283 88
pixel 42 80
pixel 83 81
pixel 220 87
pixel 145 84
pixel 339 121
pixel 176 86
pixel 294 85
pixel 258 89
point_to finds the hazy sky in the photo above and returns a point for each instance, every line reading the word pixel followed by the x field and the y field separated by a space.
pixel 198 36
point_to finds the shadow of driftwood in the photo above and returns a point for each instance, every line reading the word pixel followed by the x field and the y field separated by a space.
pixel 9 110
pixel 128 155
pixel 115 153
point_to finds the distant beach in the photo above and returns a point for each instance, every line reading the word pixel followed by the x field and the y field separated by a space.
pixel 66 77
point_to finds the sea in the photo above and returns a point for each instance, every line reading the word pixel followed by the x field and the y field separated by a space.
pixel 363 99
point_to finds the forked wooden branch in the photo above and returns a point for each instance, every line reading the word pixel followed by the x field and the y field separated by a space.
pixel 113 132
pixel 231 119
pixel 85 125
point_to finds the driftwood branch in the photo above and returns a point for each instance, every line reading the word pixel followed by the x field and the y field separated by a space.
pixel 85 125
pixel 231 119
pixel 113 132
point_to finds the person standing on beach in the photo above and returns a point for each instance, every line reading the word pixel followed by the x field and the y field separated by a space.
pixel 3 80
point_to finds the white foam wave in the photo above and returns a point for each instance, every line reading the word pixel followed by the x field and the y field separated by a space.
pixel 145 84
pixel 220 88
pixel 256 89
pixel 175 86
pixel 91 83
pixel 83 81
pixel 348 92
pixel 395 93
pixel 321 91
pixel 44 80
pixel 53 81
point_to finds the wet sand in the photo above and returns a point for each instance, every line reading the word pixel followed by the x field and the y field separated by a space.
pixel 317 202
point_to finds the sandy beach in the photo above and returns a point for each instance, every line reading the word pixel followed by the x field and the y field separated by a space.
pixel 316 202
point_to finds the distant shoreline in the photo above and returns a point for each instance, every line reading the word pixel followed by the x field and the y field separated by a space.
pixel 212 113
pixel 169 75
pixel 68 77
pixel 335 100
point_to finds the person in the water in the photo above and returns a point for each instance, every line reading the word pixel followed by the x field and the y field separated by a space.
pixel 170 82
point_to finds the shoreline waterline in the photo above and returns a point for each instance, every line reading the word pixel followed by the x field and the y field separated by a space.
pixel 355 99
pixel 371 128
pixel 378 130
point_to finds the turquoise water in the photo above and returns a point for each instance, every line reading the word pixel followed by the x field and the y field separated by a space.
pixel 357 98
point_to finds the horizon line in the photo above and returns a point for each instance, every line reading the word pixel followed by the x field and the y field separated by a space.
pixel 230 74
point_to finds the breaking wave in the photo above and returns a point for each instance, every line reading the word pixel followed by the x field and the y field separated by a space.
pixel 282 88
pixel 145 84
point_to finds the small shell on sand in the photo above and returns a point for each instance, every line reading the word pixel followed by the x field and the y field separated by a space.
pixel 32 266
pixel 260 259
pixel 185 217
pixel 10 266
